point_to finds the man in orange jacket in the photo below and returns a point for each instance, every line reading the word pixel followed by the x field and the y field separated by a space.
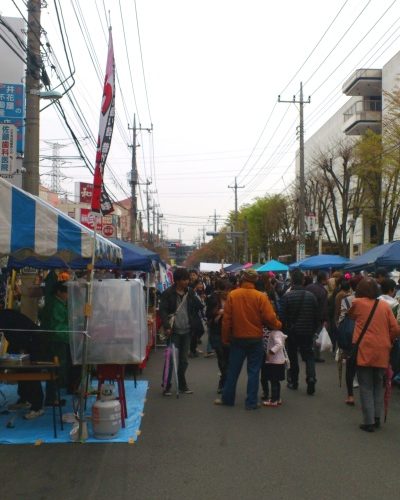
pixel 246 311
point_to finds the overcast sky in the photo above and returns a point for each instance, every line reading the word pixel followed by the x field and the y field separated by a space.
pixel 213 69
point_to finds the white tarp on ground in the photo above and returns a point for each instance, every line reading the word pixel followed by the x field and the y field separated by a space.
pixel 208 267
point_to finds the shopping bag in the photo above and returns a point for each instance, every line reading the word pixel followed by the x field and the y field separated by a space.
pixel 324 341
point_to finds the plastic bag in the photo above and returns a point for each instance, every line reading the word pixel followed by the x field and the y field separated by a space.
pixel 324 340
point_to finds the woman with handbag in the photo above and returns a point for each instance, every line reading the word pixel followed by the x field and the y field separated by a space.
pixel 375 330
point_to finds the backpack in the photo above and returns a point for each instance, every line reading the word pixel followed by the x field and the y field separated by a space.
pixel 345 330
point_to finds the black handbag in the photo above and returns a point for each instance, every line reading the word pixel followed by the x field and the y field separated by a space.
pixel 352 359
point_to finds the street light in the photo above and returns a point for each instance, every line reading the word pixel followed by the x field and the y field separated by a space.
pixel 51 95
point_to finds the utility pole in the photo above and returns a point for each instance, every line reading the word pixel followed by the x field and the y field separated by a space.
pixel 246 241
pixel 154 222
pixel 215 221
pixel 133 179
pixel 148 208
pixel 235 187
pixel 159 216
pixel 301 102
pixel 180 231
pixel 30 180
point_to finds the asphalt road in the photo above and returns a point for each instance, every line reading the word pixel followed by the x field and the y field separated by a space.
pixel 310 448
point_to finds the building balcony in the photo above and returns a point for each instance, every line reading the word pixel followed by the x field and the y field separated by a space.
pixel 363 115
pixel 364 82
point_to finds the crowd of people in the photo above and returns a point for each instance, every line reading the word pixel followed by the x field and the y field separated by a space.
pixel 268 321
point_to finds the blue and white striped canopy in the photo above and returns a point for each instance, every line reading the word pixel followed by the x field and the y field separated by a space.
pixel 30 227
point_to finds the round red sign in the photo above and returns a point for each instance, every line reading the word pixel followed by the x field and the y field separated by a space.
pixel 108 230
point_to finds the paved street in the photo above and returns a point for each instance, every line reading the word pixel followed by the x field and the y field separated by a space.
pixel 310 448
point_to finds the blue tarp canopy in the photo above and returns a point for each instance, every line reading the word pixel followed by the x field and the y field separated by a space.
pixel 34 233
pixel 136 258
pixel 387 255
pixel 233 268
pixel 323 261
pixel 273 266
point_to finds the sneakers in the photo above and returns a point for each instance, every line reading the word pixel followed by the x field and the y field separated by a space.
pixel 367 427
pixel 271 404
pixel 293 386
pixel 186 391
pixel 220 402
pixel 167 392
pixel 254 407
pixel 34 414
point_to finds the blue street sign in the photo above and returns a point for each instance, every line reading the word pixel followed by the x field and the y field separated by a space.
pixel 12 109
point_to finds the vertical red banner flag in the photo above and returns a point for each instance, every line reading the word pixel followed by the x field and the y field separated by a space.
pixel 100 200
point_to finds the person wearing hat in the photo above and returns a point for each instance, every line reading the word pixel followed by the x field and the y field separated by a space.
pixel 246 311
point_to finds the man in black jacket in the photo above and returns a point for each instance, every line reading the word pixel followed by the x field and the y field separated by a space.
pixel 181 302
pixel 300 318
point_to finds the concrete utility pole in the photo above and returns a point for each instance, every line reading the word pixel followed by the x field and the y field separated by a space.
pixel 133 180
pixel 215 220
pixel 180 231
pixel 30 180
pixel 246 241
pixel 148 208
pixel 154 222
pixel 235 187
pixel 301 102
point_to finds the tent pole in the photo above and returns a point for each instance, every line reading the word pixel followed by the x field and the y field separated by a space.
pixel 10 290
pixel 87 314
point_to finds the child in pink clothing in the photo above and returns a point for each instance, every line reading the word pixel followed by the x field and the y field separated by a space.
pixel 275 365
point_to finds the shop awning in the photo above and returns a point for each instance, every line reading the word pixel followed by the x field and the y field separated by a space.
pixel 135 257
pixel 273 266
pixel 387 255
pixel 32 229
pixel 322 261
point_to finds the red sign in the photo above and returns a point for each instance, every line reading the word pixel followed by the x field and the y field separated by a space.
pixel 85 192
pixel 108 231
pixel 87 219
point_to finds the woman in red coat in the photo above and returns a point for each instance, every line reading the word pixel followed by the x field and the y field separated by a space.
pixel 373 351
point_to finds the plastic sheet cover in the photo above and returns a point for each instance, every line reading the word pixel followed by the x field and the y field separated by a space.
pixel 118 325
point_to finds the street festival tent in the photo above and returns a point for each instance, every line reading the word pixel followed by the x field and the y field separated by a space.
pixel 212 267
pixel 233 268
pixel 322 261
pixel 387 255
pixel 136 258
pixel 36 234
pixel 273 266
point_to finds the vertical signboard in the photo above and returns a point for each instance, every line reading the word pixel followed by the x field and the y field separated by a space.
pixel 12 106
pixel 8 139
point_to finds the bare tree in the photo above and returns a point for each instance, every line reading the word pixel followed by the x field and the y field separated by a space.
pixel 337 190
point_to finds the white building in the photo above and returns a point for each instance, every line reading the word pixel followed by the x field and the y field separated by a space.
pixel 366 88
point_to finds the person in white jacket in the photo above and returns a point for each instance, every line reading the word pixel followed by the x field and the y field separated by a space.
pixel 275 365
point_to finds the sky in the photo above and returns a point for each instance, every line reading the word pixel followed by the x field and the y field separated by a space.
pixel 207 75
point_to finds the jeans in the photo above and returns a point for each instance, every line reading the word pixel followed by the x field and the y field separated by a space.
pixel 304 344
pixel 371 392
pixel 182 343
pixel 241 349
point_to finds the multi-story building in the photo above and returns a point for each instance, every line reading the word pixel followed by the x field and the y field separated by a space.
pixel 366 88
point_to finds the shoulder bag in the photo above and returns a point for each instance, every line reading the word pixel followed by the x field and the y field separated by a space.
pixel 352 359
pixel 171 319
